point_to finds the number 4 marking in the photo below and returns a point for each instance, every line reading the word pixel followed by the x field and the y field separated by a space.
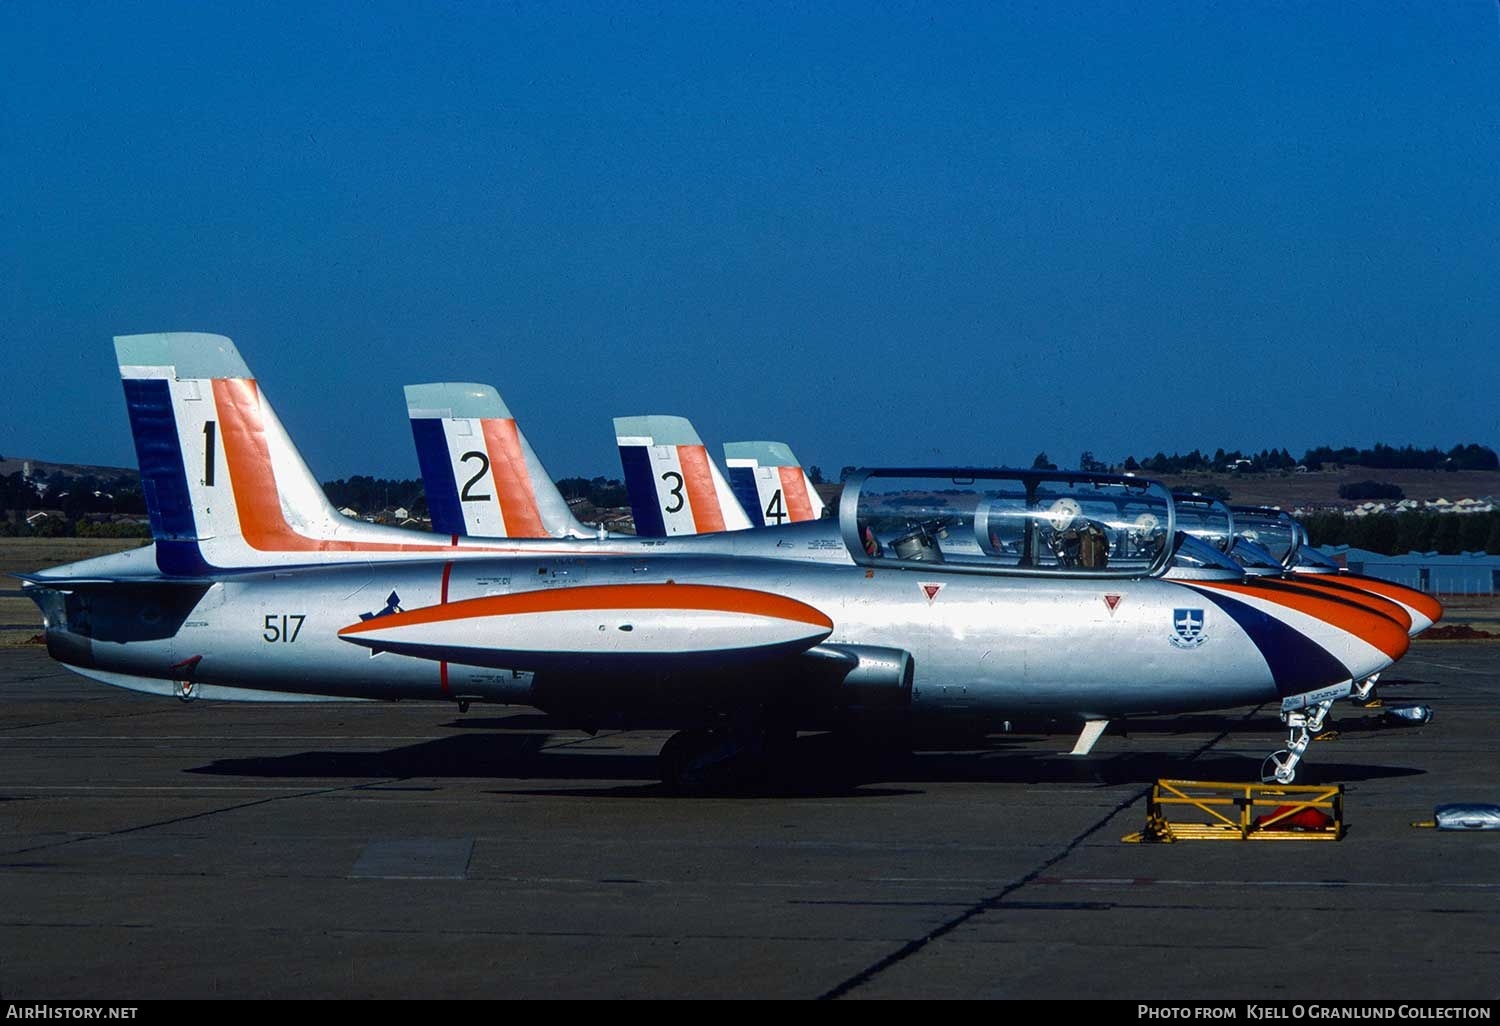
pixel 775 510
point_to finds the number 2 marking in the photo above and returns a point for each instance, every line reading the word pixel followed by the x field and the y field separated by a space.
pixel 484 468
pixel 675 491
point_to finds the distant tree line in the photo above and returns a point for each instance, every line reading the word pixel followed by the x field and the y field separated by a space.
pixel 366 494
pixel 601 492
pixel 1362 491
pixel 1385 457
pixel 1395 534
pixel 81 505
pixel 1381 457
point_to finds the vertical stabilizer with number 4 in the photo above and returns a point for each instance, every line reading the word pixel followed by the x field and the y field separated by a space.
pixel 771 484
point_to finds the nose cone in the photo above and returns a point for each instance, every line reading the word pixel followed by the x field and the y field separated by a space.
pixel 1308 640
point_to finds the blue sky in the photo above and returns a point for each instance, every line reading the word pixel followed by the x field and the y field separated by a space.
pixel 881 234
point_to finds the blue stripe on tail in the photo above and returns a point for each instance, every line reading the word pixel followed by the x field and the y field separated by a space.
pixel 742 483
pixel 437 475
pixel 158 451
pixel 635 460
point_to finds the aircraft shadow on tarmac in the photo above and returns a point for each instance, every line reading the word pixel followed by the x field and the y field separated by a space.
pixel 819 765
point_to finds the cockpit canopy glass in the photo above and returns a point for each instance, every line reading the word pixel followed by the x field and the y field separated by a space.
pixel 1271 529
pixel 1307 556
pixel 1253 556
pixel 1009 521
pixel 1195 553
pixel 1206 519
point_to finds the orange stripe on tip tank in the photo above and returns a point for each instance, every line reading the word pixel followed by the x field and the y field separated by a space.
pixel 681 597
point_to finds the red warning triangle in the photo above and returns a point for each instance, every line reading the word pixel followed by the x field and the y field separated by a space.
pixel 1113 602
pixel 931 590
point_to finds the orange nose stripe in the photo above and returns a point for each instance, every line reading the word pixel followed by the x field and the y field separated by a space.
pixel 1329 585
pixel 1374 629
pixel 1418 600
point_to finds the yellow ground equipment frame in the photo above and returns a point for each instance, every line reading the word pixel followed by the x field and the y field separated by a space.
pixel 1198 810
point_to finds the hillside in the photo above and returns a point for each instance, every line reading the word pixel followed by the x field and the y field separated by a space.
pixel 46 468
pixel 1321 488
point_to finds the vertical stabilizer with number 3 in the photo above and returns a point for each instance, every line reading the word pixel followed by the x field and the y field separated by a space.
pixel 675 487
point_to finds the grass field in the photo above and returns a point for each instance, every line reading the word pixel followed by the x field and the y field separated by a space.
pixel 1291 490
pixel 20 620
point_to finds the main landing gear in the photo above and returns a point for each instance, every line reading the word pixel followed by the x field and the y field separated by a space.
pixel 725 758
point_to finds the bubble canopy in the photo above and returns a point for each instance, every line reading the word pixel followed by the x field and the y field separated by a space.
pixel 1206 519
pixel 1008 522
pixel 1271 529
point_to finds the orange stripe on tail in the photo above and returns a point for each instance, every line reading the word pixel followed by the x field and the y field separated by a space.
pixel 698 476
pixel 512 481
pixel 794 491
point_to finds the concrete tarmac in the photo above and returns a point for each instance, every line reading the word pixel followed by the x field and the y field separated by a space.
pixel 156 849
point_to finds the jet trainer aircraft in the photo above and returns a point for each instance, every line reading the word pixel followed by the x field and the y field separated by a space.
pixel 1207 523
pixel 255 588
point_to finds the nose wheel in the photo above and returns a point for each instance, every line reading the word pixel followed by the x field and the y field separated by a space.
pixel 1280 767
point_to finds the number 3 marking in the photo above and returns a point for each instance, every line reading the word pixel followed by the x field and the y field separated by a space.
pixel 675 491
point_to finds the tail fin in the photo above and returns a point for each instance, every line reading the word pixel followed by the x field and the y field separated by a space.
pixel 482 477
pixel 224 485
pixel 675 488
pixel 771 484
